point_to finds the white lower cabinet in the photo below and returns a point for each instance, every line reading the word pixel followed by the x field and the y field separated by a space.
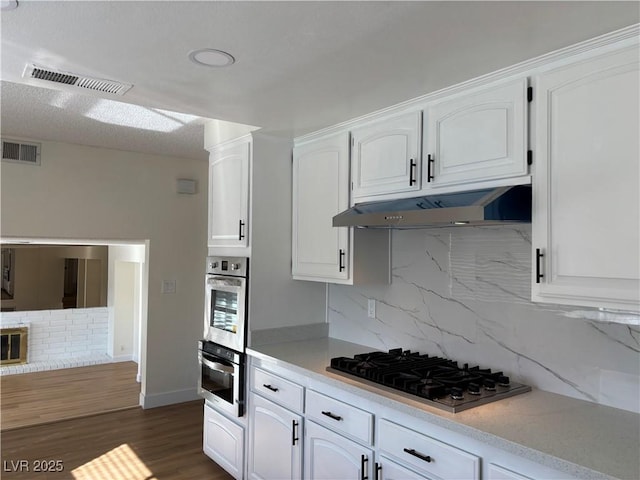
pixel 387 469
pixel 223 441
pixel 275 441
pixel 425 454
pixel 329 456
pixel 342 435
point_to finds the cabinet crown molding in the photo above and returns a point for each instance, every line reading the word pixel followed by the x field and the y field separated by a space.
pixel 629 35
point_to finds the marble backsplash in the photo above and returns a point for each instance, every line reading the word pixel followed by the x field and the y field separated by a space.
pixel 464 293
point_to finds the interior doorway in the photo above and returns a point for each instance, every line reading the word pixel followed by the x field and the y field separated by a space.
pixel 120 340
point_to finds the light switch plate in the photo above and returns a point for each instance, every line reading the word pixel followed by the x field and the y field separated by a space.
pixel 168 286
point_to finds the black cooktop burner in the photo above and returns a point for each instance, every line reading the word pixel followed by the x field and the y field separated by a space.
pixel 435 380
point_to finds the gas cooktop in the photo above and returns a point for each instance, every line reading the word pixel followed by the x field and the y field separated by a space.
pixel 435 381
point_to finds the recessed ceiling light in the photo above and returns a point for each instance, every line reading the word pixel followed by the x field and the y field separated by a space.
pixel 210 57
pixel 8 4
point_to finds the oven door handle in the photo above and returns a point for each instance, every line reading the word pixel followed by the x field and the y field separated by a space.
pixel 218 367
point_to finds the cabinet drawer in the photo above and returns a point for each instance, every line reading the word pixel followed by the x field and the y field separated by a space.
pixel 339 416
pixel 427 454
pixel 284 392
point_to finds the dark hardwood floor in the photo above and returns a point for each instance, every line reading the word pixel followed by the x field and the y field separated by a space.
pixel 163 443
pixel 85 424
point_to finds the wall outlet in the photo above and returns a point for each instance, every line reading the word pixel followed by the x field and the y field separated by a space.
pixel 371 308
pixel 168 286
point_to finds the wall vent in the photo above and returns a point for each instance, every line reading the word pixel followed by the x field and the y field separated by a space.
pixel 72 79
pixel 22 152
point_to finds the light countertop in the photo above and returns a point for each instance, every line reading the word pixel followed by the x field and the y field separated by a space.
pixel 580 438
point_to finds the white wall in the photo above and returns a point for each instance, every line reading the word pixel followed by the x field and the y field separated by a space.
pixel 92 193
pixel 124 309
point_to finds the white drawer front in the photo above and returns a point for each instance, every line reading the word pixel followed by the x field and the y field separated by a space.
pixel 284 392
pixel 427 454
pixel 340 416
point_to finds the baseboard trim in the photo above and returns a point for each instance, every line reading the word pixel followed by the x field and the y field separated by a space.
pixel 122 358
pixel 168 398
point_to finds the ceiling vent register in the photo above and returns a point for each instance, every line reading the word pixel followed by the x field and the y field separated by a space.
pixel 22 152
pixel 72 79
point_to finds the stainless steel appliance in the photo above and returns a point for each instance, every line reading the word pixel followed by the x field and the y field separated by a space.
pixel 222 377
pixel 225 316
pixel 435 381
pixel 492 206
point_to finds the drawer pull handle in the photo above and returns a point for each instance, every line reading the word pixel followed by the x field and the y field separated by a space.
pixel 294 432
pixel 240 229
pixel 273 389
pixel 363 467
pixel 430 164
pixel 419 455
pixel 539 255
pixel 412 172
pixel 331 415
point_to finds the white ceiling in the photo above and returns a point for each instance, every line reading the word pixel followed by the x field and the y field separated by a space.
pixel 300 66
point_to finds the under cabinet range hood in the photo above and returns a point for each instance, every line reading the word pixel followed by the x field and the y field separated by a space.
pixel 491 206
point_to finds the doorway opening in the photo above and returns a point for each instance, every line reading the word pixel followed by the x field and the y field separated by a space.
pixel 88 355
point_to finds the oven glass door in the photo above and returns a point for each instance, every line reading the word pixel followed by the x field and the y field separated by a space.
pixel 225 311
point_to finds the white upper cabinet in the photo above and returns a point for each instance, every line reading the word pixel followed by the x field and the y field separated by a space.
pixel 386 156
pixel 229 194
pixel 476 136
pixel 320 251
pixel 320 191
pixel 586 212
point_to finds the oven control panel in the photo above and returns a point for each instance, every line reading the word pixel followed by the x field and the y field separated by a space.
pixel 218 351
pixel 233 266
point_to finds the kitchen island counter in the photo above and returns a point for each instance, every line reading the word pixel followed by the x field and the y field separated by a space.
pixel 580 438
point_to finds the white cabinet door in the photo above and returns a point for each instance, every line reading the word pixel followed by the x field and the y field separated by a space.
pixel 320 191
pixel 390 470
pixel 229 195
pixel 223 442
pixel 329 456
pixel 386 156
pixel 477 136
pixel 586 211
pixel 275 441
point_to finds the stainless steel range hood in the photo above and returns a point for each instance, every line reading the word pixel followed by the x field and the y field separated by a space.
pixel 491 206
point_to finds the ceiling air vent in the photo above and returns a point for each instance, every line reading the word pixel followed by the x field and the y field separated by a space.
pixel 66 78
pixel 22 152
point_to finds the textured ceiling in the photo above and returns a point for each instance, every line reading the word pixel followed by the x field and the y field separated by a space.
pixel 300 66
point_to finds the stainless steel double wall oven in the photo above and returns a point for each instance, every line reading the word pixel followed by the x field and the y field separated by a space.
pixel 221 353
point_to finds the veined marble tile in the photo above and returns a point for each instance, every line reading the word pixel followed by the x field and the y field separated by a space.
pixel 464 293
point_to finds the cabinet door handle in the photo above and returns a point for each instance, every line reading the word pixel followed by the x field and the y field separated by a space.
pixel 363 467
pixel 419 455
pixel 430 165
pixel 273 389
pixel 539 256
pixel 378 469
pixel 412 172
pixel 240 229
pixel 331 415
pixel 341 254
pixel 294 432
